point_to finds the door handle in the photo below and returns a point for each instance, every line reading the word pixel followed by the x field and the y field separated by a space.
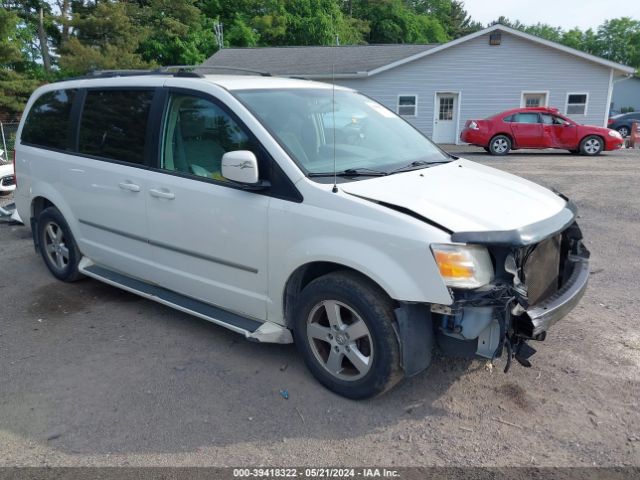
pixel 132 187
pixel 162 194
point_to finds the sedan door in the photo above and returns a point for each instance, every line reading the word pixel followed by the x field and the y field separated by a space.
pixel 208 236
pixel 558 132
pixel 527 130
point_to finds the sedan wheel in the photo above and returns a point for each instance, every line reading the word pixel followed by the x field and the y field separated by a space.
pixel 500 145
pixel 624 131
pixel 591 145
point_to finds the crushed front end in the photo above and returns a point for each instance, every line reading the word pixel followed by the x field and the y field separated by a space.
pixel 541 273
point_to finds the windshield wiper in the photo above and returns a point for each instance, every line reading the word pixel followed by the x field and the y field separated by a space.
pixel 417 164
pixel 352 172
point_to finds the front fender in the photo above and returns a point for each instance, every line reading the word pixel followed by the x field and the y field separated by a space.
pixel 407 276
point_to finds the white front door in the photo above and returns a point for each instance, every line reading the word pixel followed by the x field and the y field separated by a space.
pixel 445 118
pixel 208 238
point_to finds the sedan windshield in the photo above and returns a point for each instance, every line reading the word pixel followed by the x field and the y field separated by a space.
pixel 367 136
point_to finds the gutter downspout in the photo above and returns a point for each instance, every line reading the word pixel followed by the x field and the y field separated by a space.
pixel 610 94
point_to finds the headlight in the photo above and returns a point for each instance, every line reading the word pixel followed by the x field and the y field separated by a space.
pixel 614 133
pixel 463 266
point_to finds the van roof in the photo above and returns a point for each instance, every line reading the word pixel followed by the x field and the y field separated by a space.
pixel 228 82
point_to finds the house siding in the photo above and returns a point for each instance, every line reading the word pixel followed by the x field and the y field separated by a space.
pixel 491 79
pixel 626 93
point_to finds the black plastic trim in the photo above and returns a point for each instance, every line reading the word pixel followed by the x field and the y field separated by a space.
pixel 170 247
pixel 527 235
pixel 178 299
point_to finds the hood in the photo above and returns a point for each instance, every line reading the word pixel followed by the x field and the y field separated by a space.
pixel 6 169
pixel 463 196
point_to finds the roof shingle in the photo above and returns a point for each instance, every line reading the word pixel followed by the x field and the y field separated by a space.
pixel 303 61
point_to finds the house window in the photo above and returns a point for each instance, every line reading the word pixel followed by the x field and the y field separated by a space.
pixel 534 99
pixel 407 105
pixel 577 104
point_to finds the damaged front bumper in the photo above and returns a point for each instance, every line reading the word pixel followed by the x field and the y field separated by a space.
pixel 540 317
pixel 536 284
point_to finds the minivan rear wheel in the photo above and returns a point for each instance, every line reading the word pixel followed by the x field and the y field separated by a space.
pixel 344 331
pixel 57 246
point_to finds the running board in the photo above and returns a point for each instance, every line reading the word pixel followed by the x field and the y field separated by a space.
pixel 253 330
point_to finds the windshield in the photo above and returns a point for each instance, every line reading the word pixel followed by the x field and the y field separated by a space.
pixel 368 137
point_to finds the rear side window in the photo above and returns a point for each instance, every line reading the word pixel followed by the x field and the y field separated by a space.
pixel 48 122
pixel 114 124
pixel 526 118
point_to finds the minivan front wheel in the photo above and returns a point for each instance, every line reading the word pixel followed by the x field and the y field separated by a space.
pixel 57 246
pixel 344 330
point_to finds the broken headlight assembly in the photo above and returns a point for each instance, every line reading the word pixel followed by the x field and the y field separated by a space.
pixel 463 266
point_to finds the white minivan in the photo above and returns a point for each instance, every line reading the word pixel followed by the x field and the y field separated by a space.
pixel 288 210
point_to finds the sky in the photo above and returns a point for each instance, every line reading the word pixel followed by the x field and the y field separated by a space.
pixel 563 13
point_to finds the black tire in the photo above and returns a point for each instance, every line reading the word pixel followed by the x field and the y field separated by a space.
pixel 624 131
pixel 54 239
pixel 500 145
pixel 356 297
pixel 591 145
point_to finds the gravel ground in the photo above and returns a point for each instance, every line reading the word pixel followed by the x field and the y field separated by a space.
pixel 95 376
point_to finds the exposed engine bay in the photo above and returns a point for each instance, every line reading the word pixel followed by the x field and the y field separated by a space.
pixel 534 286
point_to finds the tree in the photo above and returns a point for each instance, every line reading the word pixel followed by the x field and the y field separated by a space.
pixel 15 86
pixel 392 21
pixel 106 35
pixel 619 40
pixel 178 33
pixel 36 16
pixel 450 13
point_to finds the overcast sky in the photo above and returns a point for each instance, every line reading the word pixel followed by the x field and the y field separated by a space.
pixel 563 13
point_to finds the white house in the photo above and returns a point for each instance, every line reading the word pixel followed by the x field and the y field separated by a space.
pixel 438 87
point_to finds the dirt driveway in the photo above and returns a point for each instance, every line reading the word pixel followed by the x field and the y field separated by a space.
pixel 91 375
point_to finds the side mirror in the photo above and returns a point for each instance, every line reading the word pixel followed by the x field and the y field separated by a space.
pixel 240 166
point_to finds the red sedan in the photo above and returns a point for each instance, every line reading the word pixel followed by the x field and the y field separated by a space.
pixel 538 127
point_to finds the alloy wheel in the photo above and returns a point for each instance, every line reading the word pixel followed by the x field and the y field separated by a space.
pixel 592 146
pixel 55 246
pixel 500 145
pixel 340 340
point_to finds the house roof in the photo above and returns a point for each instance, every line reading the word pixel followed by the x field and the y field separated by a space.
pixel 316 62
pixel 365 60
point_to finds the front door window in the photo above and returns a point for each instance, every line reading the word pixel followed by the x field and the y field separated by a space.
pixel 197 134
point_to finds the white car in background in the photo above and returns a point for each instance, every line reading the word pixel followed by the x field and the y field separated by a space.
pixel 287 210
pixel 7 178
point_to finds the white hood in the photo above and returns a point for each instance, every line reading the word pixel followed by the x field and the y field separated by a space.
pixel 463 196
pixel 6 169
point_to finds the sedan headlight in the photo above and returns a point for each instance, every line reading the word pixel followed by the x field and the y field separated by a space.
pixel 463 266
pixel 614 133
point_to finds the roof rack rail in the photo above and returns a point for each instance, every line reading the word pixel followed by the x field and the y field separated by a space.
pixel 170 70
pixel 188 68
